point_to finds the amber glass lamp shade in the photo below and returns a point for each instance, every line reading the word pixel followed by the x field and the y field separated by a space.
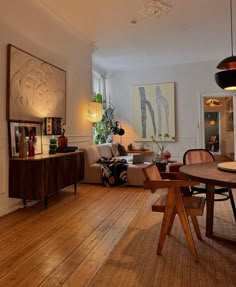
pixel 226 80
pixel 95 111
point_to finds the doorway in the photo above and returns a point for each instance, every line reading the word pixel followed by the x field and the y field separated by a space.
pixel 212 131
pixel 217 124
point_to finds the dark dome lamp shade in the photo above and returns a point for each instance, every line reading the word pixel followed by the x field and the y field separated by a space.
pixel 228 63
pixel 227 79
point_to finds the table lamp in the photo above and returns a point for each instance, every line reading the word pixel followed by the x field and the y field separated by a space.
pixel 52 127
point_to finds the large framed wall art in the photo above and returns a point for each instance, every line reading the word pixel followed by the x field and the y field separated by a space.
pixel 154 110
pixel 36 89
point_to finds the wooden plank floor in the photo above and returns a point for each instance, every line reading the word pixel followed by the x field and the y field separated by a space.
pixel 107 237
pixel 41 247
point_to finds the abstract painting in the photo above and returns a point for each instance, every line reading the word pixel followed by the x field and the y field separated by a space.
pixel 36 89
pixel 154 110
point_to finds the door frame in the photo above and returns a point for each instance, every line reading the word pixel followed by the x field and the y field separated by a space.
pixel 201 143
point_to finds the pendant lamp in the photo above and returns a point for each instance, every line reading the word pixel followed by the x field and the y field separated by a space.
pixel 95 111
pixel 227 79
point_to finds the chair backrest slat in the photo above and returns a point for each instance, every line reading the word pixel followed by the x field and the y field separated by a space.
pixel 192 156
pixel 151 172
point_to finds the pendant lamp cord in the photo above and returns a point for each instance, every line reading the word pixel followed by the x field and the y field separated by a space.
pixel 231 26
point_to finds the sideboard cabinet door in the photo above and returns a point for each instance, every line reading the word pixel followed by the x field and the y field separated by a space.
pixel 38 177
pixel 26 180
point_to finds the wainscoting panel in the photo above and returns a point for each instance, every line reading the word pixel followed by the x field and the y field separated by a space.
pixel 3 165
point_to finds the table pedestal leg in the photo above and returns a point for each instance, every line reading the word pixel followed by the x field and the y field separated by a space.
pixel 209 209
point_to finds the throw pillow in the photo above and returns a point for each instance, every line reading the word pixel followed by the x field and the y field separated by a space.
pixel 122 150
pixel 114 149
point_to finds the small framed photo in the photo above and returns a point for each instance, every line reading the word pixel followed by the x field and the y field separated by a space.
pixel 30 129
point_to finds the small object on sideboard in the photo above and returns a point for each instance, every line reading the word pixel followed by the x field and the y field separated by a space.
pixel 53 146
pixel 67 148
pixel 31 146
pixel 62 140
pixel 22 144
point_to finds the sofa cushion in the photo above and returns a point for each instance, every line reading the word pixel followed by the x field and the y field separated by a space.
pixel 93 154
pixel 105 150
pixel 122 150
pixel 114 149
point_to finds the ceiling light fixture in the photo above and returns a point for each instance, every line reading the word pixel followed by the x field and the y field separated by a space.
pixel 227 79
pixel 152 8
pixel 213 103
pixel 156 7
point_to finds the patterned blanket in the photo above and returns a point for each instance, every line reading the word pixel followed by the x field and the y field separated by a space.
pixel 114 171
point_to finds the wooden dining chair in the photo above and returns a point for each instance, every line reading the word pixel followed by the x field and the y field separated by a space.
pixel 193 156
pixel 174 202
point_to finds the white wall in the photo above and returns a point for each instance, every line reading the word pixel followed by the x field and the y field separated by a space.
pixel 26 25
pixel 190 79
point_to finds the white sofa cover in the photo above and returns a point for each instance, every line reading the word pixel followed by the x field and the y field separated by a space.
pixel 92 169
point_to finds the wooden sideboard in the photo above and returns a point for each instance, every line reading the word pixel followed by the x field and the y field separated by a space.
pixel 36 178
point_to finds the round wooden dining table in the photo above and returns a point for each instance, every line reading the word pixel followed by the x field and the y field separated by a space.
pixel 212 176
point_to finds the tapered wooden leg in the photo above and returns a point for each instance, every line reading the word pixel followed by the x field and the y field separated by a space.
pixel 167 218
pixel 196 226
pixel 172 221
pixel 184 221
pixel 75 185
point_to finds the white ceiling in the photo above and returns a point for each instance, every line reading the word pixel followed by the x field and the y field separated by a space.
pixel 193 31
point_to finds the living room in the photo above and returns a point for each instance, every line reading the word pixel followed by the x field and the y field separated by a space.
pixel 68 52
pixel 25 24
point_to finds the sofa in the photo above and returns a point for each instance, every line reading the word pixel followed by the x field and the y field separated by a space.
pixel 92 169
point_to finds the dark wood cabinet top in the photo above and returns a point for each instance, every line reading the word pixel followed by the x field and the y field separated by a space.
pixel 46 156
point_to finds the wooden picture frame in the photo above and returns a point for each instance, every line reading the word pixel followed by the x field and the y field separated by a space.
pixel 30 128
pixel 154 111
pixel 35 88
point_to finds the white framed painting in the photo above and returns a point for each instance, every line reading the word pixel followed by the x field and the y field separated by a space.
pixel 154 110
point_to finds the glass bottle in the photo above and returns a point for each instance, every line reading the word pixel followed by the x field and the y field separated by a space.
pixel 31 150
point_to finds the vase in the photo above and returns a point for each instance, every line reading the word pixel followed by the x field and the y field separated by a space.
pixel 161 165
pixel 166 155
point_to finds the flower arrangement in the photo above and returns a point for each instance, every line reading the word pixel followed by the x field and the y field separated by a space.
pixel 162 141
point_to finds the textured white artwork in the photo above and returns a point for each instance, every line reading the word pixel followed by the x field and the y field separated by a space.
pixel 36 88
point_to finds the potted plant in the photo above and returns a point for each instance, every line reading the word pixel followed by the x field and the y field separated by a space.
pixel 163 155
